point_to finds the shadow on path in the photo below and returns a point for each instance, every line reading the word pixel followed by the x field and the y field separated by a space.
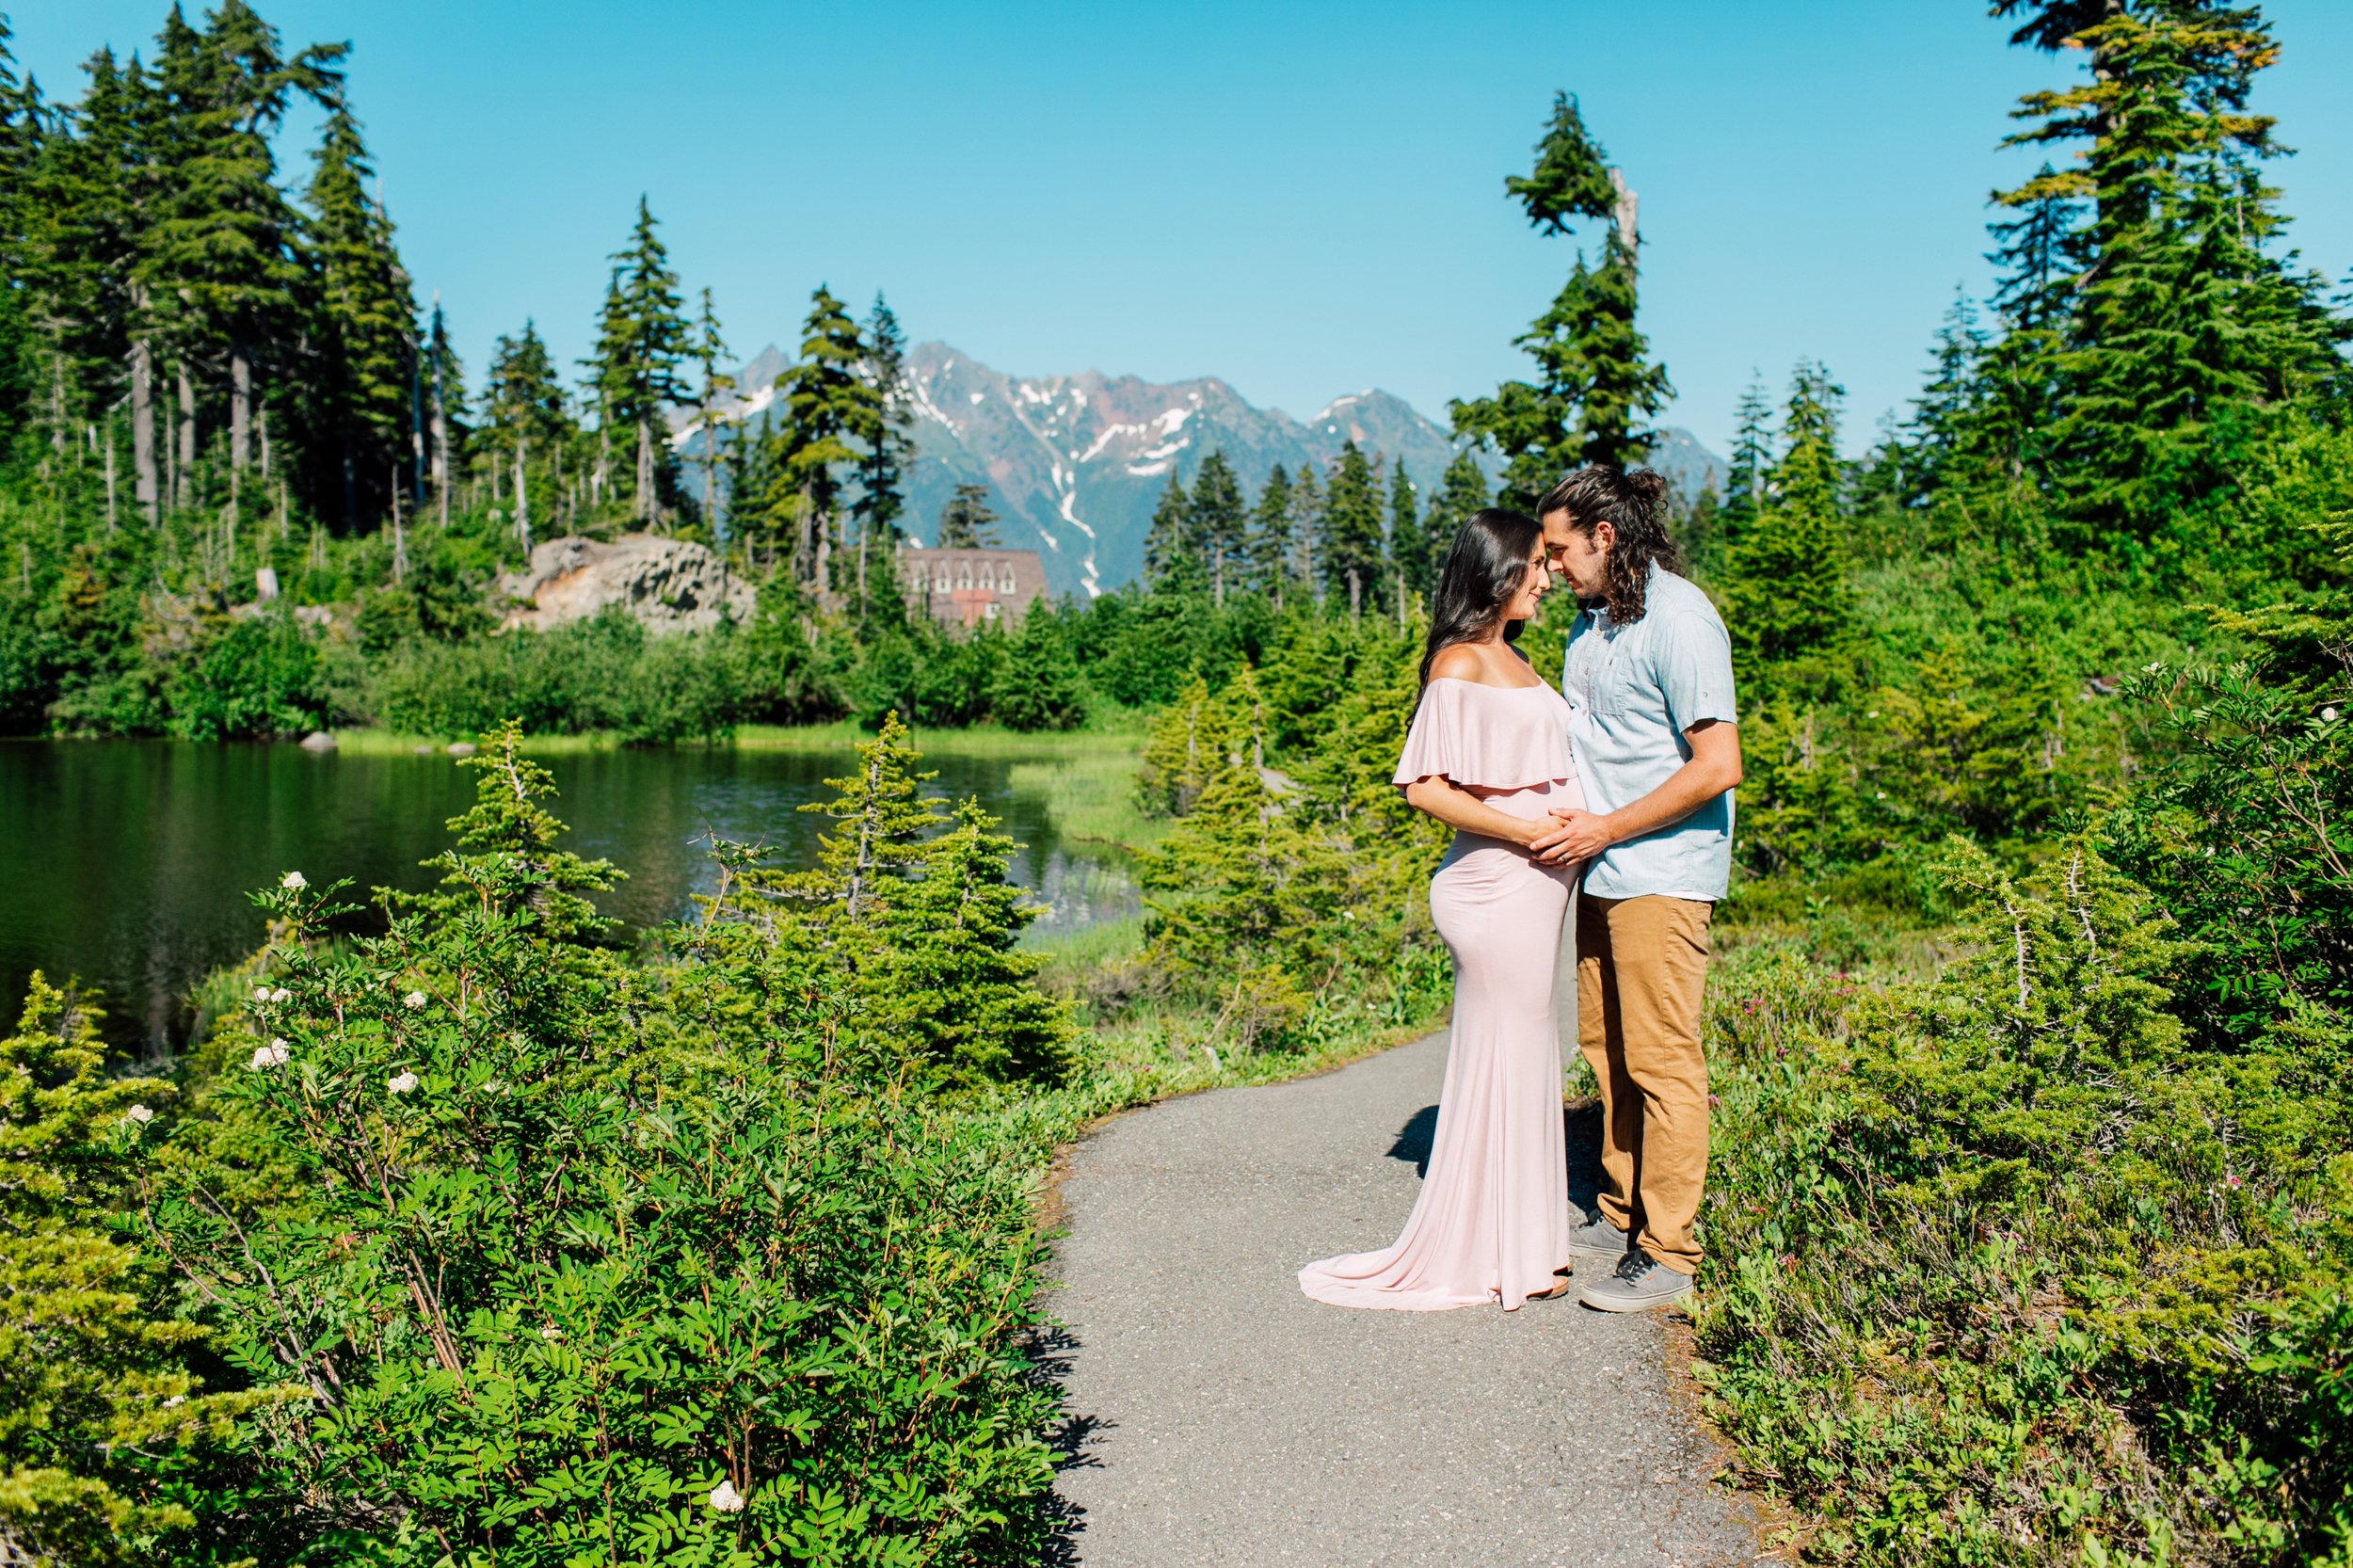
pixel 1580 1125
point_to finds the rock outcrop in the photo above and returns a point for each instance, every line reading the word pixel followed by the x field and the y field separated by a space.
pixel 667 585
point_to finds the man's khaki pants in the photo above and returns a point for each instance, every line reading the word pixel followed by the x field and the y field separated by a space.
pixel 1642 971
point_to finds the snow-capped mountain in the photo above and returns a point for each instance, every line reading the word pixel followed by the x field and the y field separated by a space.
pixel 1075 463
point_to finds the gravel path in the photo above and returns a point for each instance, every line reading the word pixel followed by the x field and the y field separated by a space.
pixel 1217 1415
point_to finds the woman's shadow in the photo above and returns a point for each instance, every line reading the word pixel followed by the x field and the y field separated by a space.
pixel 1580 1124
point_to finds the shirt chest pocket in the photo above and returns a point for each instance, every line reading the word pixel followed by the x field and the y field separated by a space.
pixel 1595 682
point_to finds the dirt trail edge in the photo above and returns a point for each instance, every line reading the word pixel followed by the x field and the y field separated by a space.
pixel 1218 1417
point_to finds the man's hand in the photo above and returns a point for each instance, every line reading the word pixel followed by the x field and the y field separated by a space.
pixel 1579 836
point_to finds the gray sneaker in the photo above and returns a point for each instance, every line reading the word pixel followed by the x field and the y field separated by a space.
pixel 1600 1238
pixel 1637 1282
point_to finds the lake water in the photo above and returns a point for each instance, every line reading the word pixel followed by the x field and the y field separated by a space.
pixel 128 863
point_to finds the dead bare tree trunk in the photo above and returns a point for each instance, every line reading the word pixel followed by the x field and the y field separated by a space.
pixel 522 499
pixel 240 408
pixel 183 476
pixel 648 512
pixel 143 429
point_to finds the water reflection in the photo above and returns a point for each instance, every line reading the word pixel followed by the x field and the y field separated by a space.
pixel 129 863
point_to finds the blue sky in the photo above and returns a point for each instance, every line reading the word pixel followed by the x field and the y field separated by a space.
pixel 1304 199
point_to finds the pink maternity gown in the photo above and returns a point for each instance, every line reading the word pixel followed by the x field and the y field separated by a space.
pixel 1492 1224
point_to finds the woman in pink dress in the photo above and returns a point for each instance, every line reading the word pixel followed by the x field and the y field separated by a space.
pixel 1488 754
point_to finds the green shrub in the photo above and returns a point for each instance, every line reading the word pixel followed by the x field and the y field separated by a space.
pixel 539 1258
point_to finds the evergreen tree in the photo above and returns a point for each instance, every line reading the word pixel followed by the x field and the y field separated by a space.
pixel 2183 311
pixel 99 1395
pixel 828 405
pixel 643 338
pixel 218 258
pixel 1409 538
pixel 1037 687
pixel 1219 524
pixel 1270 546
pixel 1462 493
pixel 445 405
pixel 366 319
pixel 1351 529
pixel 1940 436
pixel 716 387
pixel 1306 527
pixel 1787 601
pixel 1751 461
pixel 889 453
pixel 966 519
pixel 955 988
pixel 524 420
pixel 1172 555
pixel 1596 388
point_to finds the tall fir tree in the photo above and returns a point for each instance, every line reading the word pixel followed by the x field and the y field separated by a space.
pixel 1463 491
pixel 1409 538
pixel 525 423
pixel 1220 523
pixel 1172 555
pixel 1787 601
pixel 889 452
pixel 219 260
pixel 1596 388
pixel 1351 540
pixel 966 521
pixel 365 327
pixel 643 340
pixel 1306 528
pixel 2184 309
pixel 1751 461
pixel 828 403
pixel 714 388
pixel 1269 547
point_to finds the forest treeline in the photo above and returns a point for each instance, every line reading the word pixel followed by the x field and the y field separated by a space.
pixel 247 489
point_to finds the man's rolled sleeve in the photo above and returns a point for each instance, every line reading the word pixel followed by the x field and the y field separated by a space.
pixel 1695 673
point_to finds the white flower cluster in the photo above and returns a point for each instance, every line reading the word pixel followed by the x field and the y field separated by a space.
pixel 726 1498
pixel 138 1113
pixel 413 999
pixel 293 882
pixel 272 1055
pixel 402 1083
pixel 264 994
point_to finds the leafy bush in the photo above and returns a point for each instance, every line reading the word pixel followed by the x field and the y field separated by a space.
pixel 507 1249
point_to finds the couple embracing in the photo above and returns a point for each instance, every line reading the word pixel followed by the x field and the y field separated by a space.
pixel 1595 820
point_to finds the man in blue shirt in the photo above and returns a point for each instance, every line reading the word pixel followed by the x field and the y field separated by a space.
pixel 1648 678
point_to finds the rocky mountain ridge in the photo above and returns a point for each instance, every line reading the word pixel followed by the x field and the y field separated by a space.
pixel 1074 464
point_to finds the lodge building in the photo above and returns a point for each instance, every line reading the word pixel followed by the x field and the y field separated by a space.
pixel 971 587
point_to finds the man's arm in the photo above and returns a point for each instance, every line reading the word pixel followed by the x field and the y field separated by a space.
pixel 1713 767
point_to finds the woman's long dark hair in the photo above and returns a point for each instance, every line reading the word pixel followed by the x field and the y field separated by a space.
pixel 1628 503
pixel 1483 571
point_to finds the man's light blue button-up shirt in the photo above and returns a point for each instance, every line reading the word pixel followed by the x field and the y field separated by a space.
pixel 1633 690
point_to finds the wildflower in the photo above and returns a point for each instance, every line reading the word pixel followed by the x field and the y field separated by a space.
pixel 550 1334
pixel 283 995
pixel 138 1113
pixel 293 882
pixel 272 1055
pixel 403 1084
pixel 2233 1180
pixel 175 1401
pixel 726 1498
pixel 414 998
pixel 260 993
pixel 2327 715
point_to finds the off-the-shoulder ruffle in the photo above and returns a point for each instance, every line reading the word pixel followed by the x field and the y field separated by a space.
pixel 1488 736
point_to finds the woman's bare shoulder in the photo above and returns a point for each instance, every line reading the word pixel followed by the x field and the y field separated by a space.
pixel 1459 662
